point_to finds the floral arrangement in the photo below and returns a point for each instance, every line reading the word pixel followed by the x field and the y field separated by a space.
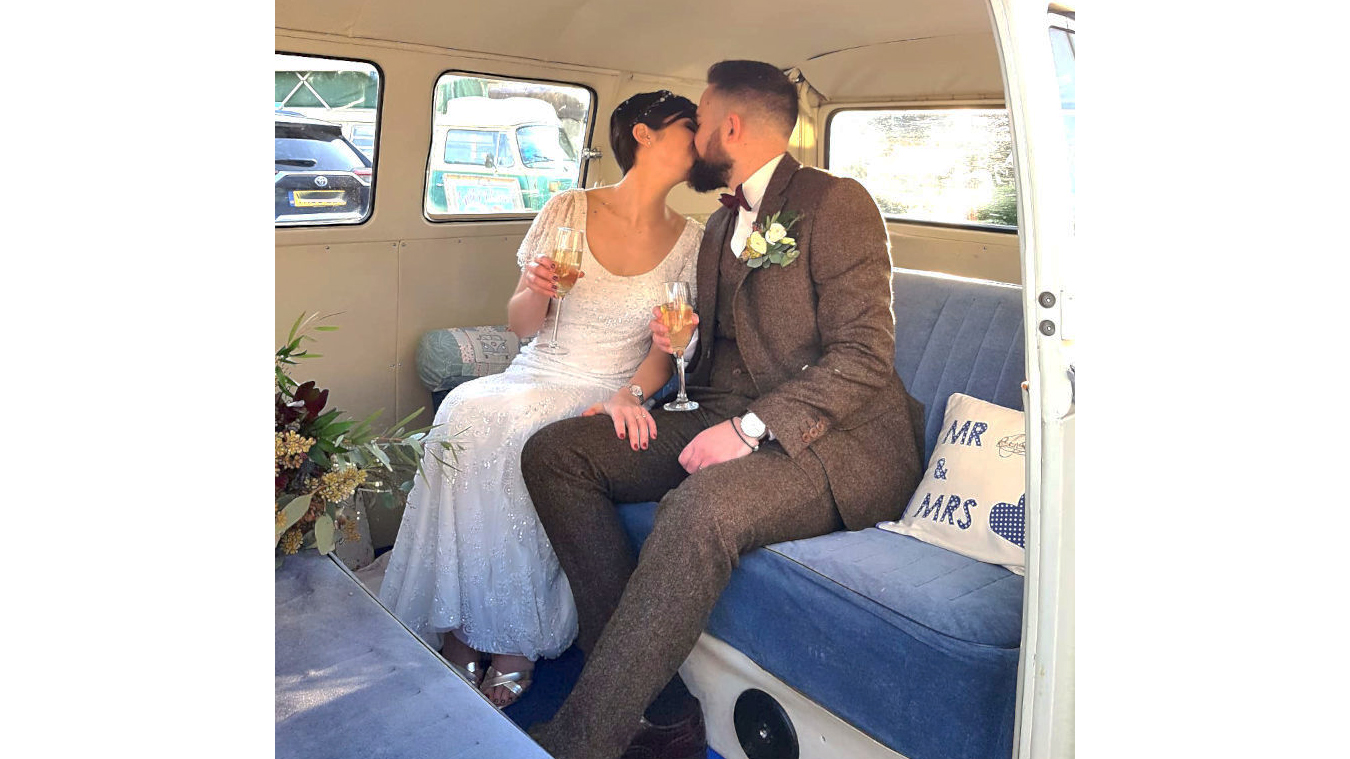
pixel 769 242
pixel 322 459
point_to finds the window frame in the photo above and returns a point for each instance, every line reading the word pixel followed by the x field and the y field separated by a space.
pixel 919 106
pixel 584 165
pixel 375 150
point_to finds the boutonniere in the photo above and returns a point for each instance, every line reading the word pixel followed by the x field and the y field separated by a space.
pixel 769 242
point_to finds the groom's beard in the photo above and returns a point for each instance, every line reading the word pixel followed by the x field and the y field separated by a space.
pixel 706 176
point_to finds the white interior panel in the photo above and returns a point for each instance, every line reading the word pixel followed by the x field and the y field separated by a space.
pixel 453 282
pixel 963 252
pixel 359 283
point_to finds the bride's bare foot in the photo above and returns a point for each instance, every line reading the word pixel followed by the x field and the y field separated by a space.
pixel 505 664
pixel 461 655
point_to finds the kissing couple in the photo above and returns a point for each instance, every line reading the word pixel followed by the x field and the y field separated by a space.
pixel 802 426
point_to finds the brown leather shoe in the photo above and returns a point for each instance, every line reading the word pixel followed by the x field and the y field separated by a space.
pixel 685 739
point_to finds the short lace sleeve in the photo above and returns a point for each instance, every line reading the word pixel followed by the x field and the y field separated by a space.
pixel 556 213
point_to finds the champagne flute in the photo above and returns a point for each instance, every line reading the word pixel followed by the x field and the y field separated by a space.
pixel 567 265
pixel 677 314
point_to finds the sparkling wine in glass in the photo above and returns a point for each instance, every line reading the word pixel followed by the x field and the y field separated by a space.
pixel 677 314
pixel 567 265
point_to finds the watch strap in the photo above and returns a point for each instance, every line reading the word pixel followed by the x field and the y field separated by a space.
pixel 737 429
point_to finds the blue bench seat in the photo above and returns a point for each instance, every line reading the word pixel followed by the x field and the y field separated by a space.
pixel 942 630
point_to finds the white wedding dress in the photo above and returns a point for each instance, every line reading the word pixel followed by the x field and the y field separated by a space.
pixel 471 555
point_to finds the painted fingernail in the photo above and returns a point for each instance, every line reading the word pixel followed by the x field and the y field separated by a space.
pixel 621 436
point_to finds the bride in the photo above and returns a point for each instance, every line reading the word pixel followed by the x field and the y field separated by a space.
pixel 471 558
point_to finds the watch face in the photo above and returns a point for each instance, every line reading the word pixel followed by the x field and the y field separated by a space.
pixel 752 425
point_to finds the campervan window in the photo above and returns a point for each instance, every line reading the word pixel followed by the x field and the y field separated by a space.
pixel 326 114
pixel 540 145
pixel 503 147
pixel 469 147
pixel 1062 47
pixel 950 166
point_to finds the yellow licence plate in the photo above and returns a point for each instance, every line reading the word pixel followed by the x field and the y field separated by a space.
pixel 310 198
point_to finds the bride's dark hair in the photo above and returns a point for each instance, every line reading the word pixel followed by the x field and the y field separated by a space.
pixel 655 109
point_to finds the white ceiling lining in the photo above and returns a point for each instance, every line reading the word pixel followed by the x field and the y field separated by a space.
pixel 954 66
pixel 947 48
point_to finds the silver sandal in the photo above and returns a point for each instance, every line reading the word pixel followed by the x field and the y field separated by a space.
pixel 473 671
pixel 516 683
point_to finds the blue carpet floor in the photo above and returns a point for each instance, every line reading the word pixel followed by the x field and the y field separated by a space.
pixel 553 680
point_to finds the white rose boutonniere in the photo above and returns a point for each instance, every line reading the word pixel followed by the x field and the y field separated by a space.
pixel 769 243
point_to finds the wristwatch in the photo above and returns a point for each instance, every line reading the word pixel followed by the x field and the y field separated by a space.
pixel 752 426
pixel 636 390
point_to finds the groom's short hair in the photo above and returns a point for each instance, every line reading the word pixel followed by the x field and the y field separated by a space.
pixel 760 85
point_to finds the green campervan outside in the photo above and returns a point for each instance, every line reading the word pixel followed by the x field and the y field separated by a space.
pixel 495 155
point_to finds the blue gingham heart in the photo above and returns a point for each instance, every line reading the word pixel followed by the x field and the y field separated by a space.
pixel 1008 521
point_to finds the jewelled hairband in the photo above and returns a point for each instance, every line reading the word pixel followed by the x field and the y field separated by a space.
pixel 664 96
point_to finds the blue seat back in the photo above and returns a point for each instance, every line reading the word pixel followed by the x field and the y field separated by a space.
pixel 956 335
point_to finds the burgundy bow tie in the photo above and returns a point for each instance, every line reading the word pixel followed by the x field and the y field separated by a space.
pixel 732 201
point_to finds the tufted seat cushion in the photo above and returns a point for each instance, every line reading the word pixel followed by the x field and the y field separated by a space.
pixel 939 631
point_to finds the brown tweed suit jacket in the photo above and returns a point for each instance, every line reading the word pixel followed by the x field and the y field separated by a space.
pixel 818 339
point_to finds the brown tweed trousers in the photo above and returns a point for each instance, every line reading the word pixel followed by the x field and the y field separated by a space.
pixel 817 338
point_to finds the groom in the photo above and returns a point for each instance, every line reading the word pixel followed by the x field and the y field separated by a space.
pixel 803 428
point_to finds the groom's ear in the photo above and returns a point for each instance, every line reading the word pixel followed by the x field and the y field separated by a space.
pixel 735 128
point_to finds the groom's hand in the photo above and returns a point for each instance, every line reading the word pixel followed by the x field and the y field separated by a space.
pixel 714 445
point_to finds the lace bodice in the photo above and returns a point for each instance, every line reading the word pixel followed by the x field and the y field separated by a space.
pixel 605 316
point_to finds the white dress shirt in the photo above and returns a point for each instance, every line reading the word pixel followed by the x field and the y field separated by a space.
pixel 753 189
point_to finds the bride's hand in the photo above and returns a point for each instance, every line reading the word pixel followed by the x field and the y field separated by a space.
pixel 661 335
pixel 631 420
pixel 541 276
